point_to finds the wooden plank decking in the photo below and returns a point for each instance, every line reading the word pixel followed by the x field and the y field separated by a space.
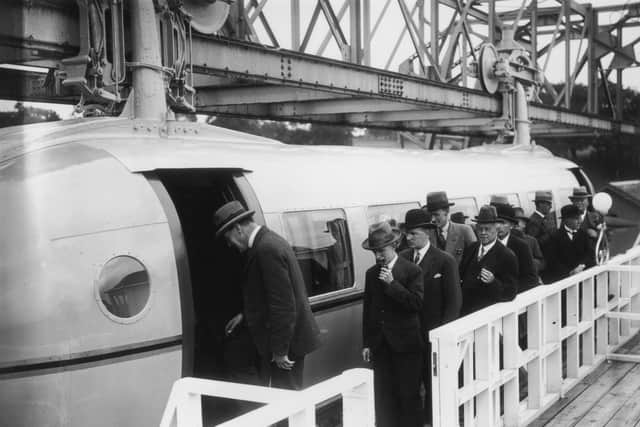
pixel 609 396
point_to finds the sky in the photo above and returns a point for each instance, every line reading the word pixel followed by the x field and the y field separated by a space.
pixel 384 40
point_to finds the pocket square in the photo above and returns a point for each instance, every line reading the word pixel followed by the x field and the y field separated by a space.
pixel 437 276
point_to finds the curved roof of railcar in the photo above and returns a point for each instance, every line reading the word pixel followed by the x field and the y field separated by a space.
pixel 314 174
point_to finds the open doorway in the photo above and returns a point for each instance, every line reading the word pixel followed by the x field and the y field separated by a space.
pixel 214 276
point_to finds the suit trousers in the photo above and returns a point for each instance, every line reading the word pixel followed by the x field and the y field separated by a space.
pixel 396 381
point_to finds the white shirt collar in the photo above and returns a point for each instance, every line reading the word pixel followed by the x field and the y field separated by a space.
pixel 505 240
pixel 393 262
pixel 540 213
pixel 252 236
pixel 487 248
pixel 422 252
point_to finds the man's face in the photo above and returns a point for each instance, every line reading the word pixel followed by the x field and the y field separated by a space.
pixel 417 238
pixel 440 217
pixel 236 239
pixel 522 224
pixel 543 207
pixel 581 204
pixel 487 233
pixel 384 255
pixel 503 229
pixel 572 223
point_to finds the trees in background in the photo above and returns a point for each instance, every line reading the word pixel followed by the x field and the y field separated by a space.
pixel 22 115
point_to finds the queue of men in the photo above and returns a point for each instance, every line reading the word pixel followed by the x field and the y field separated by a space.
pixel 447 270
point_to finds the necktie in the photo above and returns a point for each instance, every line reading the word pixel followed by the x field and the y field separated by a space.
pixel 441 240
pixel 482 251
pixel 416 257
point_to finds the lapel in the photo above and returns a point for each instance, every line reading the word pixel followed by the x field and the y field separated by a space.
pixel 490 255
pixel 251 253
pixel 427 262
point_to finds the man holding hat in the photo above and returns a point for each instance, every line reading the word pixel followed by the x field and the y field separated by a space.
pixel 527 277
pixel 276 306
pixel 542 223
pixel 569 250
pixel 392 337
pixel 450 237
pixel 442 294
pixel 489 270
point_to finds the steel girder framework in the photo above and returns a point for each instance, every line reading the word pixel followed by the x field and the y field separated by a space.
pixel 365 63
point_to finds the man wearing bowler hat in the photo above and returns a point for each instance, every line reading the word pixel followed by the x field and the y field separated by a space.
pixel 569 249
pixel 276 306
pixel 489 270
pixel 449 236
pixel 542 223
pixel 442 294
pixel 391 330
pixel 590 219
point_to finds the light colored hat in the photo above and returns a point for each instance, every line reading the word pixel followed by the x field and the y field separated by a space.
pixel 580 193
pixel 229 214
pixel 381 234
pixel 543 196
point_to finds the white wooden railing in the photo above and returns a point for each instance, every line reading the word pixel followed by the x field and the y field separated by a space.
pixel 355 386
pixel 481 375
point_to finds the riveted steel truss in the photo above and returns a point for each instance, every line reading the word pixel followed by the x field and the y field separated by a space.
pixel 401 64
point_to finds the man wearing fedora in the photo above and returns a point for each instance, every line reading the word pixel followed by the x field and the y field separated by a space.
pixel 590 220
pixel 442 294
pixel 569 250
pixel 518 231
pixel 542 223
pixel 276 307
pixel 449 236
pixel 392 337
pixel 527 276
pixel 489 270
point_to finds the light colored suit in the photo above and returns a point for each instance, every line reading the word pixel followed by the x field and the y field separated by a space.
pixel 459 237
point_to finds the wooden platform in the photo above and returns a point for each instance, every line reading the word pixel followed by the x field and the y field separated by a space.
pixel 610 397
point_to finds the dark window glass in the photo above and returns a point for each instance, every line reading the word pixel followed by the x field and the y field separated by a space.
pixel 123 286
pixel 320 240
pixel 466 205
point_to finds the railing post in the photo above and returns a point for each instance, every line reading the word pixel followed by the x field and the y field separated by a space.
pixel 552 322
pixel 588 315
pixel 534 368
pixel 304 418
pixel 189 410
pixel 444 376
pixel 602 323
pixel 511 361
pixel 484 371
pixel 357 404
pixel 573 355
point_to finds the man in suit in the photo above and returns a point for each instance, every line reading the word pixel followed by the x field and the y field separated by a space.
pixel 542 223
pixel 590 220
pixel 392 337
pixel 527 277
pixel 488 271
pixel 276 307
pixel 518 231
pixel 449 236
pixel 442 294
pixel 569 249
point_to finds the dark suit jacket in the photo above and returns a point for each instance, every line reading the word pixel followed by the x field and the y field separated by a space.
pixel 442 293
pixel 538 259
pixel 502 263
pixel 459 237
pixel 541 227
pixel 565 254
pixel 527 277
pixel 276 306
pixel 392 312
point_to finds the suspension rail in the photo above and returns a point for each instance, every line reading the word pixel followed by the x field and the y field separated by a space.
pixel 483 377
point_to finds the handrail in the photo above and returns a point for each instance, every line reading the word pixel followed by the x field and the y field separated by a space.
pixel 355 386
pixel 569 332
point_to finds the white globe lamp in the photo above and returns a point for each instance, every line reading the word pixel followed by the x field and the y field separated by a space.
pixel 602 202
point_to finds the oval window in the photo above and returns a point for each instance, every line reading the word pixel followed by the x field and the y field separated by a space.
pixel 123 287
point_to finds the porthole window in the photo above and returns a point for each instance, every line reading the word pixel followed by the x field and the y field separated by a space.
pixel 123 287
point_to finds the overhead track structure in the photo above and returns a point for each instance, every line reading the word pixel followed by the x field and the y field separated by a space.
pixel 398 64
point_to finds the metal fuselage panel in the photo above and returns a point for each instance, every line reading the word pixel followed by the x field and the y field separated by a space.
pixel 66 211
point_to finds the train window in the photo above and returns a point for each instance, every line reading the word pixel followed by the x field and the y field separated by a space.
pixel 467 205
pixel 513 198
pixel 393 213
pixel 123 288
pixel 320 240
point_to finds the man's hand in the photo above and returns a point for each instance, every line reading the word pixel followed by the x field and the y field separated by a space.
pixel 283 362
pixel 486 276
pixel 578 269
pixel 385 275
pixel 366 354
pixel 592 233
pixel 231 324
